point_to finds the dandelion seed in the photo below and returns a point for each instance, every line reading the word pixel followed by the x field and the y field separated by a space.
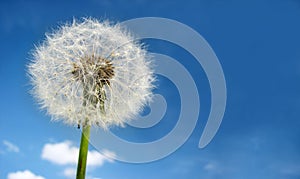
pixel 85 63
pixel 91 73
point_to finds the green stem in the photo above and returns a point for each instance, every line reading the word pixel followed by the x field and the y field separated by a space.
pixel 83 151
pixel 85 136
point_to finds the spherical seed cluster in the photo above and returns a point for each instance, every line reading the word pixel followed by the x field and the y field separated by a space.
pixel 91 73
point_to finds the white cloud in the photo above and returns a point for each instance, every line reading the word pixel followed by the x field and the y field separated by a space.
pixel 97 159
pixel 65 153
pixel 26 174
pixel 11 147
pixel 70 172
pixel 60 153
pixel 91 177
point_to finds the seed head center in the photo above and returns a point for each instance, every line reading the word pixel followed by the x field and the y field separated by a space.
pixel 97 69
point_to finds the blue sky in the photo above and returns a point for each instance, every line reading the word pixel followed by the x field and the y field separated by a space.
pixel 258 45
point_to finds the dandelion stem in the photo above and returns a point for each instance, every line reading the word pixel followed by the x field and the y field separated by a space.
pixel 83 151
pixel 85 136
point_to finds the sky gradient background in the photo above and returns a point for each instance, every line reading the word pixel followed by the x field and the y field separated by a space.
pixel 258 45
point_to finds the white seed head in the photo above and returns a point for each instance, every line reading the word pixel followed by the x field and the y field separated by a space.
pixel 91 73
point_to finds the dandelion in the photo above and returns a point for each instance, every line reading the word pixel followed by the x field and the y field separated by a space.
pixel 91 73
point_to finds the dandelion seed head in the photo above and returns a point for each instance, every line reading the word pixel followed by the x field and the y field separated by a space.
pixel 87 67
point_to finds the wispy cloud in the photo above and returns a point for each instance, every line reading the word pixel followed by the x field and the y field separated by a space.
pixel 91 177
pixel 26 174
pixel 10 147
pixel 65 153
pixel 209 167
pixel 70 172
